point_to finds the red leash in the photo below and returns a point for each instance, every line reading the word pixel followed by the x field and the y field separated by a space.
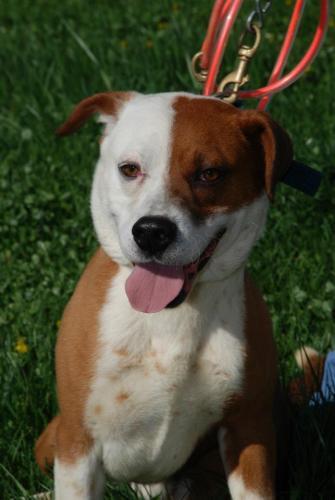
pixel 221 22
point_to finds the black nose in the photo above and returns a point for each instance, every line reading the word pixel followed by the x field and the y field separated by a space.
pixel 154 234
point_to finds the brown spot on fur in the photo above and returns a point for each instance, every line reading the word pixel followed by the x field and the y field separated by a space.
pixel 250 149
pixel 121 352
pixel 221 373
pixel 113 377
pixel 152 353
pixel 97 410
pixel 121 397
pixel 195 366
pixel 75 357
pixel 159 367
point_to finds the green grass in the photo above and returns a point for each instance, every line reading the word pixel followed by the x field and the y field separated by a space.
pixel 53 54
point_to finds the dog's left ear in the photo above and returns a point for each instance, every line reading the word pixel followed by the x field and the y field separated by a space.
pixel 105 103
pixel 275 145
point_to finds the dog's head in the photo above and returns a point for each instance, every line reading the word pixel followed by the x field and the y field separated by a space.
pixel 178 177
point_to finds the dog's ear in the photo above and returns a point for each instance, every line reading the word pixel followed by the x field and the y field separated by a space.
pixel 274 144
pixel 105 103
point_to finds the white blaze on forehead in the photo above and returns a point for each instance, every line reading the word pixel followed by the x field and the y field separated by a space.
pixel 141 134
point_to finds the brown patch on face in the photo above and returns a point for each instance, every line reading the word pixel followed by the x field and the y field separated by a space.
pixel 121 397
pixel 121 352
pixel 76 353
pixel 209 134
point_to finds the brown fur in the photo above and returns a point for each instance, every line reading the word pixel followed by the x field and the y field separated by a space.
pixel 250 439
pixel 45 447
pixel 107 103
pixel 253 150
pixel 75 355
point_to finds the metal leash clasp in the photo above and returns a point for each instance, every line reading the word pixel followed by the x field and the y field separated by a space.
pixel 199 74
pixel 234 80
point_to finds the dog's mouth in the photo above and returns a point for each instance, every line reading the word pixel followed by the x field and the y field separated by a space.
pixel 152 287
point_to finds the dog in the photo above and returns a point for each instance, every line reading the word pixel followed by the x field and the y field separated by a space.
pixel 165 360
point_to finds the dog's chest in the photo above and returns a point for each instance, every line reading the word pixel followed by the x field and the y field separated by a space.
pixel 161 382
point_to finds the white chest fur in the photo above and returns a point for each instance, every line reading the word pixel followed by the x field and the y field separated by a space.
pixel 161 380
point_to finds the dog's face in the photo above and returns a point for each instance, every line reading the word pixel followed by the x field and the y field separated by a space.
pixel 177 171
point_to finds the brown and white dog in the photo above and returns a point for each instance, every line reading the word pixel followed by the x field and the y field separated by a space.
pixel 166 342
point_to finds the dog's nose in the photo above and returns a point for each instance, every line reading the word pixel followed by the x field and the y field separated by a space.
pixel 154 234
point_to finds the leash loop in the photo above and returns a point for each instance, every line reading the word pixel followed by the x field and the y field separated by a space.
pixel 239 76
pixel 257 15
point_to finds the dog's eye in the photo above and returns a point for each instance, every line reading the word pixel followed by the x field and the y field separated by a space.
pixel 130 169
pixel 210 175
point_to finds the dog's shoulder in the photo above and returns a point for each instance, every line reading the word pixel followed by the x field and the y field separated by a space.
pixel 92 286
pixel 78 334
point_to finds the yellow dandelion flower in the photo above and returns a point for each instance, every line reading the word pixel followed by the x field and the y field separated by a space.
pixel 123 44
pixel 288 2
pixel 21 346
pixel 149 43
pixel 58 323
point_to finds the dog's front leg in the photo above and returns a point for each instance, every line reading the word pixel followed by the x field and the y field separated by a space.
pixel 82 479
pixel 248 454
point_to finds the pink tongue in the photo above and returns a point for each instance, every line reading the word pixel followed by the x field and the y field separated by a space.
pixel 151 287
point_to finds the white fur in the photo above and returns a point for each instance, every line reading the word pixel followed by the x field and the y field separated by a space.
pixel 82 480
pixel 239 491
pixel 199 349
